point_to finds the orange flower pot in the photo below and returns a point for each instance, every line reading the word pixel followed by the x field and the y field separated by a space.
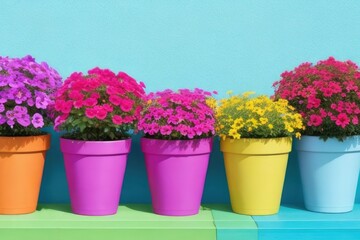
pixel 21 167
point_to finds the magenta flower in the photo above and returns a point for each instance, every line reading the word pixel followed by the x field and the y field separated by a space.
pixel 178 115
pixel 166 130
pixel 2 108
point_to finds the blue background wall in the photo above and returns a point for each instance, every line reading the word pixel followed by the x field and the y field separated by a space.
pixel 212 44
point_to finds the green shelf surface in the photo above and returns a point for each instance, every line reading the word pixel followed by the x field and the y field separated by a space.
pixel 131 222
pixel 230 225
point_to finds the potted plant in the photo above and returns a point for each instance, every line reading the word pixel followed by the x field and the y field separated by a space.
pixel 179 129
pixel 97 111
pixel 256 136
pixel 26 97
pixel 327 95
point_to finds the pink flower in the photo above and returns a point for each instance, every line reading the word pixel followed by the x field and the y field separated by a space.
pixel 90 102
pixel 90 113
pixel 127 105
pixel 173 120
pixel 355 120
pixel 315 120
pixel 108 107
pixel 66 107
pixel 116 100
pixel 342 120
pixel 323 113
pixel 313 102
pixel 76 95
pixel 116 119
pixel 100 112
pixel 177 114
pixel 78 104
pixel 166 130
pixel 128 119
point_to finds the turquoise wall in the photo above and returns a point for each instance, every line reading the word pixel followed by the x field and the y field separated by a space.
pixel 212 44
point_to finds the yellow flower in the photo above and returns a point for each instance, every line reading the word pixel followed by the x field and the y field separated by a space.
pixel 263 120
pixel 298 135
pixel 234 134
pixel 211 102
pixel 246 116
pixel 247 94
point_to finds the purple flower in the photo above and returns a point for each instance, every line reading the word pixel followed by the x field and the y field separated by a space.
pixel 18 110
pixel 2 119
pixel 19 94
pixel 30 102
pixel 37 120
pixel 10 122
pixel 24 119
pixel 16 82
pixel 3 98
pixel 10 115
pixel 3 80
pixel 25 87
pixel 41 100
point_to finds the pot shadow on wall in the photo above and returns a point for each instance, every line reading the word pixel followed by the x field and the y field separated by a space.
pixel 54 187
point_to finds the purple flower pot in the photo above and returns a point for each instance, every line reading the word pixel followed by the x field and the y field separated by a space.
pixel 95 173
pixel 176 172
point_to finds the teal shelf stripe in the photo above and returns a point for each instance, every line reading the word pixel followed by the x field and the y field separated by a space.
pixel 298 224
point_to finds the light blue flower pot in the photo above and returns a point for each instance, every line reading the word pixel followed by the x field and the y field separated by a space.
pixel 329 173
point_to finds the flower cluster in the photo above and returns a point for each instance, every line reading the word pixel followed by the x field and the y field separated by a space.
pixel 178 115
pixel 26 95
pixel 242 116
pixel 99 106
pixel 326 94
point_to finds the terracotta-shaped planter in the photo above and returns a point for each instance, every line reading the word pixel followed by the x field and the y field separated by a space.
pixel 95 172
pixel 21 168
pixel 176 172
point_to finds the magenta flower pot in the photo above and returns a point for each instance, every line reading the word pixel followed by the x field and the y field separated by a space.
pixel 176 172
pixel 95 173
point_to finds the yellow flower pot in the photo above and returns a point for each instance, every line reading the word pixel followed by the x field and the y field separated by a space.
pixel 255 171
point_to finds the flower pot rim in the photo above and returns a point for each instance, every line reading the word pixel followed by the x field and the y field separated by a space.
pixel 249 139
pixel 315 144
pixel 24 144
pixel 95 141
pixel 155 139
pixel 257 146
pixel 95 147
pixel 176 147
pixel 27 137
